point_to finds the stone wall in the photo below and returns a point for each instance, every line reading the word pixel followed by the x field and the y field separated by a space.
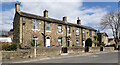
pixel 16 27
pixel 75 50
pixel 46 51
pixel 108 48
pixel 13 55
pixel 94 49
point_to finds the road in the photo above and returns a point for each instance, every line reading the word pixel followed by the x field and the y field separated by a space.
pixel 106 57
pixel 111 57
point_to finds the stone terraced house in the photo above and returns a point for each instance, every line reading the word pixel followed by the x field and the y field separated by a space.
pixel 103 38
pixel 49 32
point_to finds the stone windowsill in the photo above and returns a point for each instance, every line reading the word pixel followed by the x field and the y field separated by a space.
pixel 48 31
pixel 35 29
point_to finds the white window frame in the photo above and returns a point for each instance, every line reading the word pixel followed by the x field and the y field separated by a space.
pixel 77 31
pixel 90 33
pixel 77 42
pixel 83 32
pixel 68 30
pixel 48 25
pixel 35 24
pixel 59 28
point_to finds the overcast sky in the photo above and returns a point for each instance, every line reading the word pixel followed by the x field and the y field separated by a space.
pixel 90 12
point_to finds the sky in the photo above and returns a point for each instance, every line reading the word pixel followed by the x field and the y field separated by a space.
pixel 90 12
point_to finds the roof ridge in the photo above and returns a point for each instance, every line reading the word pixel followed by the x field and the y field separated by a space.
pixel 51 19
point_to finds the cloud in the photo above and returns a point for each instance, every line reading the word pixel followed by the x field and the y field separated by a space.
pixel 70 9
pixel 57 10
pixel 61 0
pixel 5 27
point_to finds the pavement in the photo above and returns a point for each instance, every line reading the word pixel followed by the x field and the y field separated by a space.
pixel 98 57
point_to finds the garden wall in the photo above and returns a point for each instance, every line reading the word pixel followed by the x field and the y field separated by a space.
pixel 46 51
pixel 108 48
pixel 13 55
pixel 75 50
pixel 94 49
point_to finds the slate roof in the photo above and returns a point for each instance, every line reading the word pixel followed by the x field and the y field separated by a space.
pixel 33 16
pixel 103 33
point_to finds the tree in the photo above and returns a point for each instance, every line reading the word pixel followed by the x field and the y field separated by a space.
pixel 95 40
pixel 112 21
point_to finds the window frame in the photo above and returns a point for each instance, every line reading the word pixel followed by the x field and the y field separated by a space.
pixel 77 42
pixel 60 41
pixel 59 30
pixel 90 33
pixel 48 26
pixel 68 30
pixel 83 32
pixel 35 25
pixel 77 31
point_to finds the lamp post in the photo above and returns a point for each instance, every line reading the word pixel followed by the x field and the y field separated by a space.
pixel 35 36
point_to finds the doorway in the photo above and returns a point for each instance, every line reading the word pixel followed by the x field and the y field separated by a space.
pixel 68 42
pixel 47 42
pixel 83 44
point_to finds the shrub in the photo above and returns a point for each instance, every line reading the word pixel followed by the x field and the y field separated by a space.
pixel 33 44
pixel 98 44
pixel 88 42
pixel 118 47
pixel 74 45
pixel 12 47
pixel 5 45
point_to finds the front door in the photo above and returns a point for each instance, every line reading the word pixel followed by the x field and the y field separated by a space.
pixel 47 42
pixel 83 43
pixel 68 42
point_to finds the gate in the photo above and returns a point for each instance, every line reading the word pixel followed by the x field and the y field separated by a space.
pixel 101 48
pixel 64 50
pixel 86 49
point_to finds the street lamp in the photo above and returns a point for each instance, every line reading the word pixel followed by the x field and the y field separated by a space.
pixel 35 36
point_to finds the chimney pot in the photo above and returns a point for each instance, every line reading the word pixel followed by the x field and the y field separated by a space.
pixel 17 6
pixel 45 13
pixel 65 19
pixel 79 21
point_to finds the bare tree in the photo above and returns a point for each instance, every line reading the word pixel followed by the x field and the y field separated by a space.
pixel 112 21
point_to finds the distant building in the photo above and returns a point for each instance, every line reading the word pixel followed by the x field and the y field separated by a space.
pixel 111 41
pixel 103 38
pixel 6 36
pixel 3 33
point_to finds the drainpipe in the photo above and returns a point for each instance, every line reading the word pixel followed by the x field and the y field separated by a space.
pixel 22 30
pixel 66 35
pixel 44 34
pixel 82 36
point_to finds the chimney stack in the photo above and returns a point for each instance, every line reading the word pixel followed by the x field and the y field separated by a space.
pixel 45 13
pixel 17 6
pixel 79 21
pixel 65 19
